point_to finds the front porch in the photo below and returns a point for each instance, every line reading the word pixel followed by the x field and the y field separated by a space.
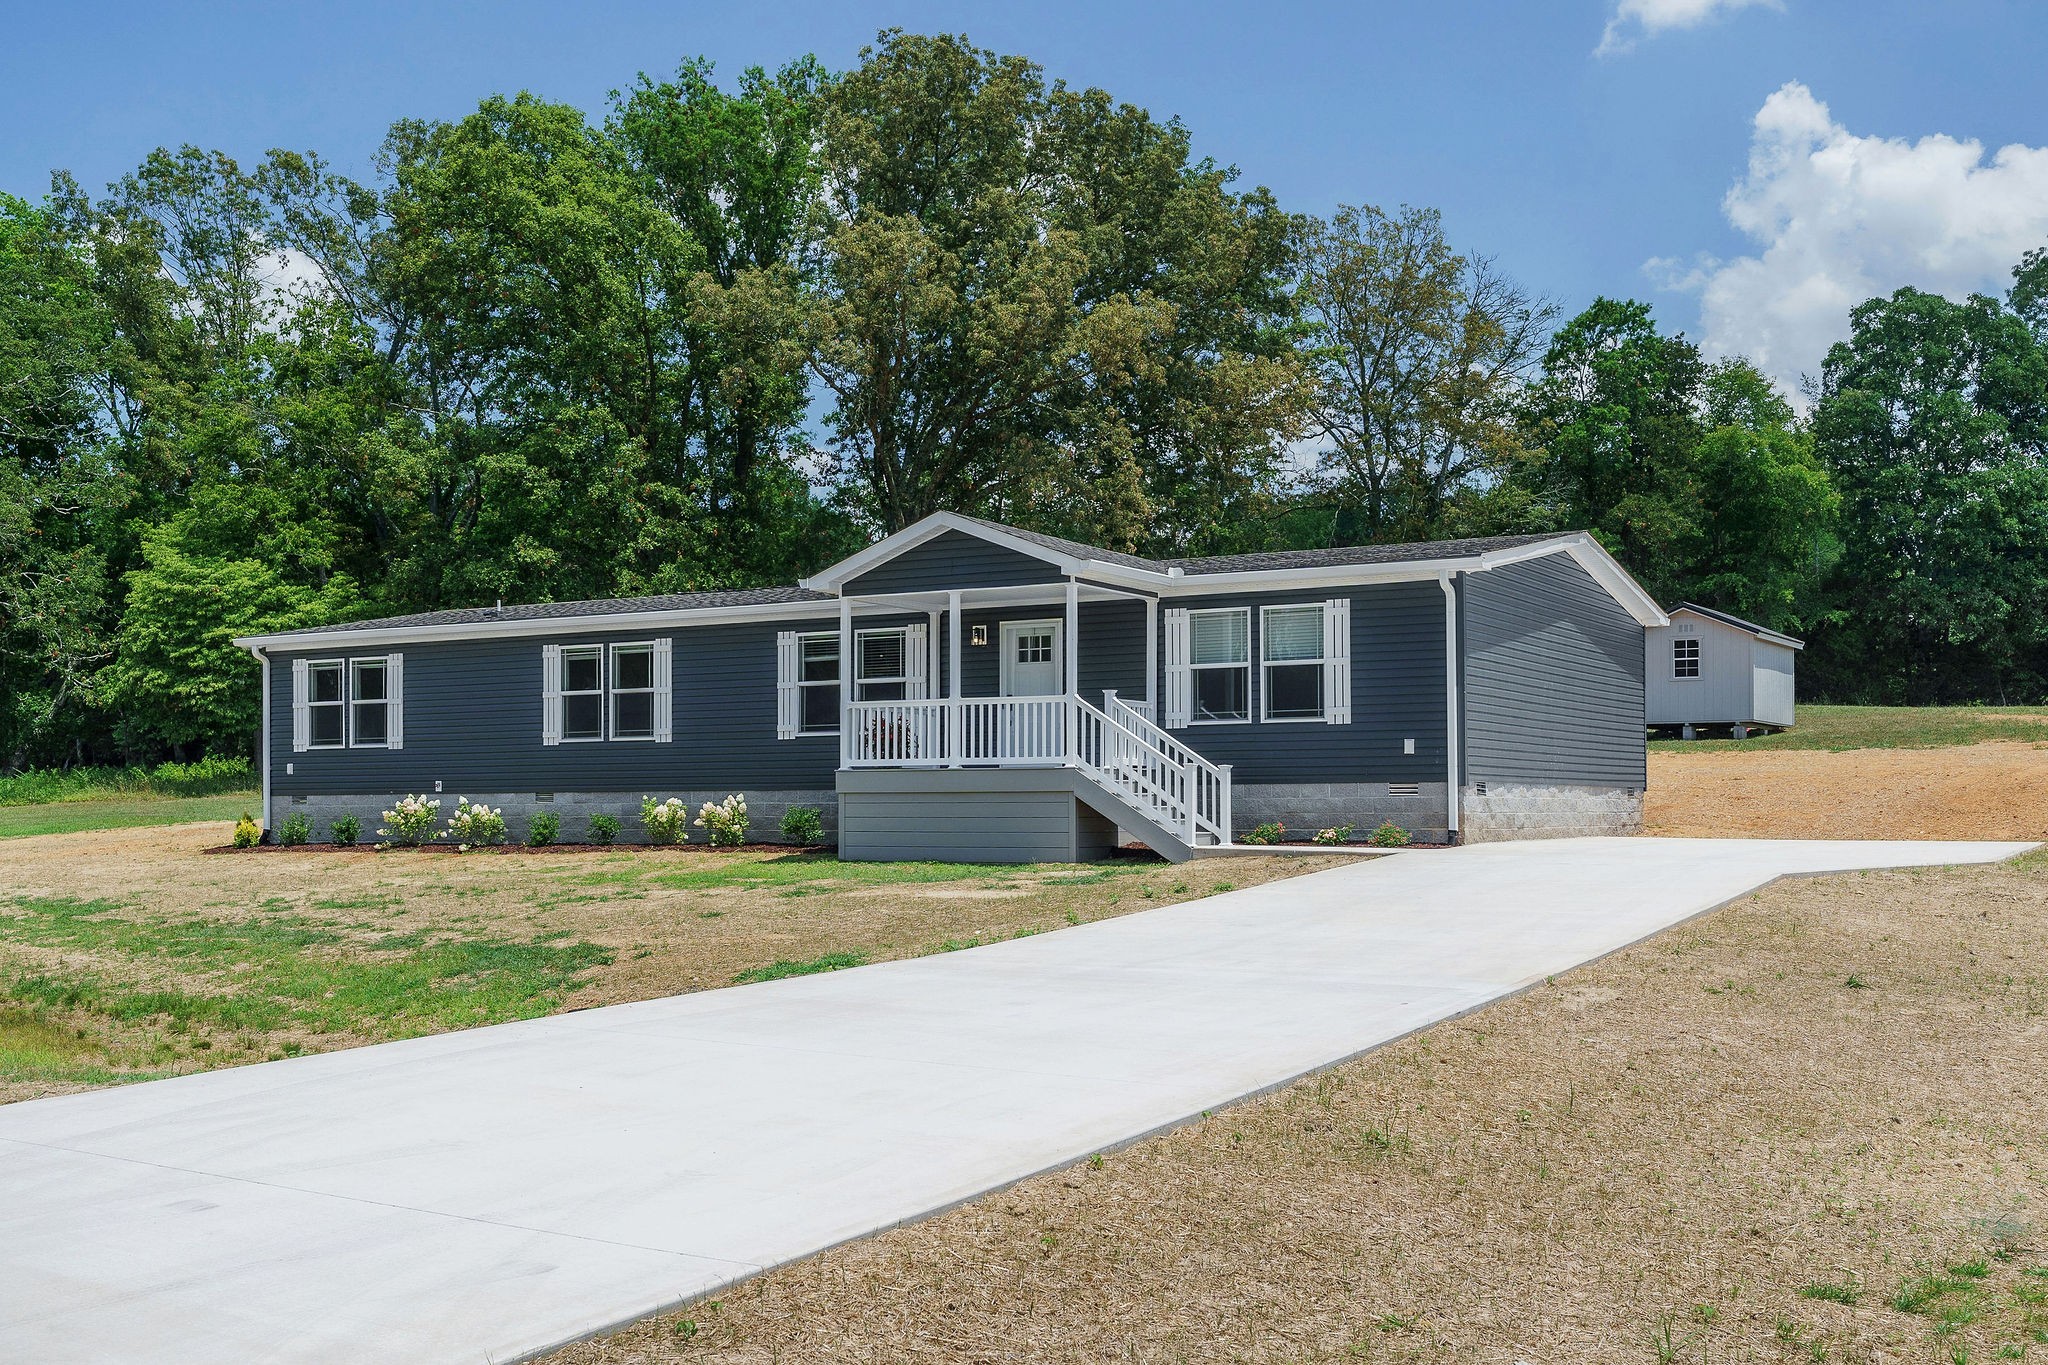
pixel 1006 685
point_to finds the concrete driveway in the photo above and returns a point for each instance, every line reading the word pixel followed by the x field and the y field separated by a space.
pixel 490 1194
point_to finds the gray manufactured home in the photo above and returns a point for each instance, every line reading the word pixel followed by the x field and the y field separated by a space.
pixel 966 690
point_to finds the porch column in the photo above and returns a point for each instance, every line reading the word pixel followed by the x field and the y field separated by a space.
pixel 846 680
pixel 1152 656
pixel 1073 653
pixel 953 678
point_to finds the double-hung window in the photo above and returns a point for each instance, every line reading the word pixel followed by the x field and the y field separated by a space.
pixel 1219 657
pixel 348 703
pixel 884 673
pixel 817 683
pixel 1291 652
pixel 369 702
pixel 326 706
pixel 633 691
pixel 1685 657
pixel 606 692
pixel 582 685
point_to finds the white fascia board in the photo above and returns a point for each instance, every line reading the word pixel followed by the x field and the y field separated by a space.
pixel 938 523
pixel 552 625
pixel 1763 633
pixel 1321 575
pixel 1594 559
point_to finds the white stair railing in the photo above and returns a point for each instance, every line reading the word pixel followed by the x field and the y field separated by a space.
pixel 1122 751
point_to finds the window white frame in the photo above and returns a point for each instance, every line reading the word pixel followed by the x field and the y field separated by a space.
pixel 339 706
pixel 1685 649
pixel 862 680
pixel 1320 662
pixel 568 653
pixel 1196 669
pixel 357 702
pixel 614 691
pixel 805 641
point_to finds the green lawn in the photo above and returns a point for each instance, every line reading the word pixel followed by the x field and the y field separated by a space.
pixel 66 817
pixel 1887 727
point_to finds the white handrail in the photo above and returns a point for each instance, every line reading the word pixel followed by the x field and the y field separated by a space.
pixel 1116 746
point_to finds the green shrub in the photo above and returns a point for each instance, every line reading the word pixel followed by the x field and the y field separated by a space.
pixel 248 833
pixel 803 825
pixel 210 776
pixel 475 825
pixel 603 828
pixel 295 830
pixel 725 821
pixel 411 822
pixel 347 829
pixel 543 829
pixel 1266 832
pixel 1335 834
pixel 1388 835
pixel 665 820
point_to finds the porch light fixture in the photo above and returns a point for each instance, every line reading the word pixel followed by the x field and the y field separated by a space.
pixel 981 635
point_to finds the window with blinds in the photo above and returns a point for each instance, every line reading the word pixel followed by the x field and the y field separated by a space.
pixel 1219 658
pixel 1291 650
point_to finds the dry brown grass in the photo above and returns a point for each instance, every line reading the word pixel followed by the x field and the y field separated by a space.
pixel 669 921
pixel 1648 1158
pixel 1978 791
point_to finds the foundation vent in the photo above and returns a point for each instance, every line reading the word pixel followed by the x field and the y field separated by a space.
pixel 1479 789
pixel 1404 789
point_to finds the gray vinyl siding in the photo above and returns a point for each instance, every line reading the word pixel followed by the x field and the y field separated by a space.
pixel 971 815
pixel 1553 678
pixel 1397 694
pixel 473 718
pixel 953 560
pixel 1112 648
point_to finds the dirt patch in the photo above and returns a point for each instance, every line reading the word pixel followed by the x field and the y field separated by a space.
pixel 1810 1127
pixel 250 956
pixel 1977 791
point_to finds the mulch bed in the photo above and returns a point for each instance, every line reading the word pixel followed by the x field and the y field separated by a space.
pixel 523 848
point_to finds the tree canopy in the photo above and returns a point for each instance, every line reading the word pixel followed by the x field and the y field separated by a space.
pixel 720 334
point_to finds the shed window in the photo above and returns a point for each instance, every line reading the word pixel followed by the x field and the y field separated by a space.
pixel 1291 645
pixel 326 708
pixel 369 703
pixel 582 692
pixel 1685 657
pixel 1219 657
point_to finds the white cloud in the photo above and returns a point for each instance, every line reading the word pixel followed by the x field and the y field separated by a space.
pixel 1842 218
pixel 1647 18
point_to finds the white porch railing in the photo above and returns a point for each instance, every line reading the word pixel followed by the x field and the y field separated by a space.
pixel 1119 748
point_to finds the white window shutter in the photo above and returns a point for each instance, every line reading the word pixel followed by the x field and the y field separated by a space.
pixel 551 694
pixel 664 691
pixel 394 688
pixel 917 662
pixel 1337 661
pixel 302 725
pixel 1180 680
pixel 788 699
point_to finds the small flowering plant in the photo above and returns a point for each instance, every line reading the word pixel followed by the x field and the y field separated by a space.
pixel 410 823
pixel 726 820
pixel 1335 834
pixel 665 820
pixel 476 825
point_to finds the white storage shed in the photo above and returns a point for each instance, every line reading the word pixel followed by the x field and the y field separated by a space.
pixel 1708 670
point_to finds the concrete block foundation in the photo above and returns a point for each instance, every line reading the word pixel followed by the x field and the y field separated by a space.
pixel 1495 811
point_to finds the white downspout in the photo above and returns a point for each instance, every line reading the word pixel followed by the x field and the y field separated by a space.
pixel 263 759
pixel 953 719
pixel 848 689
pixel 1450 701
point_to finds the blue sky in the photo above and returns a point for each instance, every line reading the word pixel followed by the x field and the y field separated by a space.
pixel 1589 150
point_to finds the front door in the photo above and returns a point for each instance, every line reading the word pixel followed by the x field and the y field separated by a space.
pixel 1033 666
pixel 1032 662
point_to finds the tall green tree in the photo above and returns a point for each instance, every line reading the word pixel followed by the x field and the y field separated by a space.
pixel 1420 354
pixel 1933 420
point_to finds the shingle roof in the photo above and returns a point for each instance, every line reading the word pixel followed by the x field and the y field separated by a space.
pixel 610 606
pixel 1736 621
pixel 1353 554
pixel 1075 548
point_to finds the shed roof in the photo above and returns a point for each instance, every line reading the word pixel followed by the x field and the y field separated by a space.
pixel 1776 637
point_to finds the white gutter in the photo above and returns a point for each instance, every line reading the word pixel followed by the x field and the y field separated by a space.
pixel 549 625
pixel 1450 702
